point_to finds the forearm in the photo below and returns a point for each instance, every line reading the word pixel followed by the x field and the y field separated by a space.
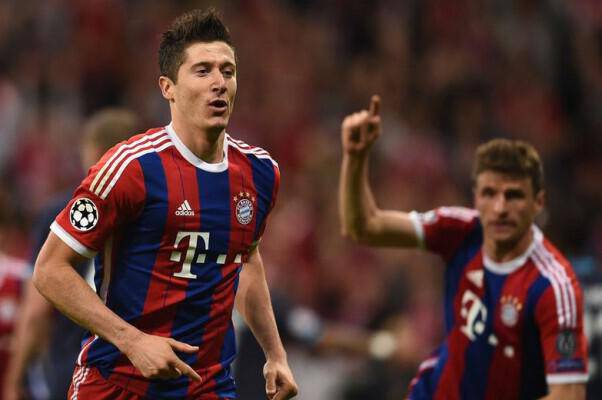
pixel 67 291
pixel 254 304
pixel 29 335
pixel 356 202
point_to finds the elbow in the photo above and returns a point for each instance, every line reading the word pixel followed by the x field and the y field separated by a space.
pixel 39 278
pixel 356 233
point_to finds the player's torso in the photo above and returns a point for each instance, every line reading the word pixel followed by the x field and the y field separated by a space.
pixel 172 268
pixel 190 238
pixel 486 338
pixel 491 345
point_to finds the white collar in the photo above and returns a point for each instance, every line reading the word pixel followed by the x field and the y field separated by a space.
pixel 507 267
pixel 192 158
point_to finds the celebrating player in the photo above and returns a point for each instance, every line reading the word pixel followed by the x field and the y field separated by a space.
pixel 513 307
pixel 174 217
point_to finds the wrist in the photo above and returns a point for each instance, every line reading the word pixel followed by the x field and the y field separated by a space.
pixel 355 160
pixel 127 339
pixel 278 356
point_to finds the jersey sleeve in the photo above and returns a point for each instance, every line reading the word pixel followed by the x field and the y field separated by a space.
pixel 559 316
pixel 111 194
pixel 443 230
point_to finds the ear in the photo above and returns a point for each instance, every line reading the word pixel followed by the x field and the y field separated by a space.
pixel 540 201
pixel 167 87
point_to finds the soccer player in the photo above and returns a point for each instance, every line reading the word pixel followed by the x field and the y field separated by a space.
pixel 513 307
pixel 41 330
pixel 174 217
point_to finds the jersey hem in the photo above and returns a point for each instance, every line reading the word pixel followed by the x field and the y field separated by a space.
pixel 71 241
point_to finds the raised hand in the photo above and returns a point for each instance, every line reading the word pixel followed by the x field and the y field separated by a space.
pixel 279 381
pixel 360 129
pixel 155 357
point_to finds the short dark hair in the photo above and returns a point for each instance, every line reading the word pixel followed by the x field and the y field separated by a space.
pixel 511 157
pixel 191 27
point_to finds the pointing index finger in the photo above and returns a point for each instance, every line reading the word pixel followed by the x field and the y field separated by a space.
pixel 375 105
pixel 186 369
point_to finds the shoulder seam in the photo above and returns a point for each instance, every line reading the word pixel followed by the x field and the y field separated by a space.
pixel 246 149
pixel 111 171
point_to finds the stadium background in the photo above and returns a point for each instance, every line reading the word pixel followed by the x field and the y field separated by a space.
pixel 450 73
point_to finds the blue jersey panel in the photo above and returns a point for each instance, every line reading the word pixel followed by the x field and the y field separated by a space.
pixel 479 352
pixel 135 257
pixel 264 179
pixel 455 269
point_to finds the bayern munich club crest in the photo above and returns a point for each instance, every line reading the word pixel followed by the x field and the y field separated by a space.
pixel 510 310
pixel 244 207
pixel 83 214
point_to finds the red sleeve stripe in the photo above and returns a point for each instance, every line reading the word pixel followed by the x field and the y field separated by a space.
pixel 461 213
pixel 564 292
pixel 127 148
pixel 155 146
pixel 167 143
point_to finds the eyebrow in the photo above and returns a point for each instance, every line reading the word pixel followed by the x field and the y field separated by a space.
pixel 209 63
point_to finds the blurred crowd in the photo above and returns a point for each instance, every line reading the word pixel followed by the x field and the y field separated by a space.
pixel 451 74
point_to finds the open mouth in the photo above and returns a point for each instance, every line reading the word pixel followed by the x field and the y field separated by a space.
pixel 219 104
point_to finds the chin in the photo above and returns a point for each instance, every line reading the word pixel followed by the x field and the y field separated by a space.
pixel 217 123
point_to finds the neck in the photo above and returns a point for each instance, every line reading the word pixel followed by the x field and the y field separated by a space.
pixel 508 250
pixel 206 144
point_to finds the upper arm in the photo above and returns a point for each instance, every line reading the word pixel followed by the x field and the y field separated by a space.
pixel 441 230
pixel 54 253
pixel 567 391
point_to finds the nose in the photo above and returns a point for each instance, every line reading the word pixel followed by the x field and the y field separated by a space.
pixel 219 82
pixel 499 204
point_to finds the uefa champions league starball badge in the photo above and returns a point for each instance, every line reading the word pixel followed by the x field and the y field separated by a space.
pixel 244 207
pixel 83 214
pixel 510 310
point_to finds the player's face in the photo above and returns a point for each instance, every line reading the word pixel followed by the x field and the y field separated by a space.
pixel 507 206
pixel 206 86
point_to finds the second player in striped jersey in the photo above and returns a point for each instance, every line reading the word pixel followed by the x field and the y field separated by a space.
pixel 513 306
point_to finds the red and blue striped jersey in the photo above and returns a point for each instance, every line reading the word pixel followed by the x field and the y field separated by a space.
pixel 169 233
pixel 512 328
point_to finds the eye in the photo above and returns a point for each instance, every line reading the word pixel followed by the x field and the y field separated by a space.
pixel 487 192
pixel 515 194
pixel 202 71
pixel 228 72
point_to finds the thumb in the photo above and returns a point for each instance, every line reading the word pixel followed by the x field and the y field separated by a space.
pixel 374 105
pixel 270 383
pixel 183 347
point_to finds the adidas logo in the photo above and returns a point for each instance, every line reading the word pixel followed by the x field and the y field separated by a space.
pixel 185 209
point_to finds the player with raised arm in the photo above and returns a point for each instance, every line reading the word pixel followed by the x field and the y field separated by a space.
pixel 513 306
pixel 174 217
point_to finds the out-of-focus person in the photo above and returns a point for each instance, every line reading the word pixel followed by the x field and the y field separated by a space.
pixel 513 305
pixel 14 272
pixel 41 330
